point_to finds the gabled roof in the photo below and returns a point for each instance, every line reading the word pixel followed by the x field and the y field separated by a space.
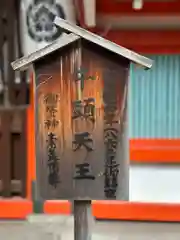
pixel 24 62
pixel 75 34
pixel 132 56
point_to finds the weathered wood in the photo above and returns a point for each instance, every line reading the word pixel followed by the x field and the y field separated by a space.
pixel 13 157
pixel 80 139
pixel 16 187
pixel 10 13
pixel 21 159
pixel 13 100
pixel 16 94
pixel 17 26
pixel 2 36
pixel 16 124
pixel 83 220
pixel 5 154
pixel 18 146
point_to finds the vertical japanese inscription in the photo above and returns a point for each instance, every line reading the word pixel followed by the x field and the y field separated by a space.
pixel 111 167
pixel 82 77
pixel 82 140
pixel 111 139
pixel 83 171
pixel 51 101
pixel 84 109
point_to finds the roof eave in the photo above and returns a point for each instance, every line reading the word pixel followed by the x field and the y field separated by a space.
pixel 25 62
pixel 124 52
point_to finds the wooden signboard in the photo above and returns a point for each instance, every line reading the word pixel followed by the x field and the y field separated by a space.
pixel 80 90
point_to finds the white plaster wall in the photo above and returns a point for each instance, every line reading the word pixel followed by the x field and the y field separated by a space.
pixel 154 183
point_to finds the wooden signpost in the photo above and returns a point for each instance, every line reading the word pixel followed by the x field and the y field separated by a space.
pixel 81 84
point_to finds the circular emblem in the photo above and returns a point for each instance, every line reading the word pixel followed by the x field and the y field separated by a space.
pixel 40 15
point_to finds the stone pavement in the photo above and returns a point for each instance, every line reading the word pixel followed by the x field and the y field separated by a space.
pixel 61 228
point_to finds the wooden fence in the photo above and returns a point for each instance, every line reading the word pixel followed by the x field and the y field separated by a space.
pixel 14 99
pixel 13 153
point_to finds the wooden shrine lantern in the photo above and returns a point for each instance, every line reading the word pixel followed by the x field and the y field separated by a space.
pixel 81 86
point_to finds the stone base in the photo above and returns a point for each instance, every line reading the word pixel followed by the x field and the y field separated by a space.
pixel 58 227
pixel 50 219
pixel 103 230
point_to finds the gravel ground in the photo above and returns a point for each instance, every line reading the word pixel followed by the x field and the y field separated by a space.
pixel 61 228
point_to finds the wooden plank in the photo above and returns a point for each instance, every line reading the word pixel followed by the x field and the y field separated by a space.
pixel 13 158
pixel 5 155
pixel 19 149
pixel 17 121
pixel 1 48
pixel 19 93
pixel 17 27
pixel 16 186
pixel 24 154
pixel 10 13
pixel 83 220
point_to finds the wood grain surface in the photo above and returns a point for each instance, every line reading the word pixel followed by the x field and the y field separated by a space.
pixel 58 74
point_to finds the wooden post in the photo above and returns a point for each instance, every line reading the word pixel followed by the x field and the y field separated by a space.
pixel 83 220
pixel 82 208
